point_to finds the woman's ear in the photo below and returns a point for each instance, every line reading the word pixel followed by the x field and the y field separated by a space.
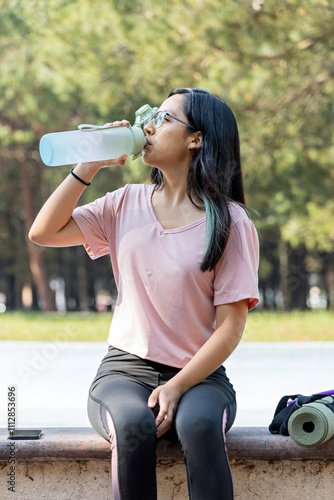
pixel 196 141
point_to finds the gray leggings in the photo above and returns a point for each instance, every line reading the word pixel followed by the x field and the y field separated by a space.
pixel 118 411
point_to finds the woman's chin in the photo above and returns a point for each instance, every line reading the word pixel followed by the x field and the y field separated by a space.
pixel 145 159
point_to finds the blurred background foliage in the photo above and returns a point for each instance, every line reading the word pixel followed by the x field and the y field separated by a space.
pixel 66 62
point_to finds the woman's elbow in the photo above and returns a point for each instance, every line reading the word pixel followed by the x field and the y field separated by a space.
pixel 37 237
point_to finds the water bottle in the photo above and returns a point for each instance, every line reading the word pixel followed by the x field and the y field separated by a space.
pixel 96 143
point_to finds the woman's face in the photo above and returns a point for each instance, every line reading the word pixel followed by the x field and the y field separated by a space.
pixel 168 144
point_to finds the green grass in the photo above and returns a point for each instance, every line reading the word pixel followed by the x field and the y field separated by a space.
pixel 289 327
pixel 54 326
pixel 261 326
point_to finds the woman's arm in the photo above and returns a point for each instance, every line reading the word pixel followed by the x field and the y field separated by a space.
pixel 230 319
pixel 54 225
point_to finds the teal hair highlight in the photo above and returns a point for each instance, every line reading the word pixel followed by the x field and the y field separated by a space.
pixel 210 223
pixel 214 227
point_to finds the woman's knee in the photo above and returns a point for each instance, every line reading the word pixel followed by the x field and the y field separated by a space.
pixel 204 421
pixel 197 425
pixel 126 402
pixel 135 431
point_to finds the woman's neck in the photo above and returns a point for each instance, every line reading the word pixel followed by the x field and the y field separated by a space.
pixel 173 208
pixel 174 193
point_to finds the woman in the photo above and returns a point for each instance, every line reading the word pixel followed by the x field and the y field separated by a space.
pixel 185 259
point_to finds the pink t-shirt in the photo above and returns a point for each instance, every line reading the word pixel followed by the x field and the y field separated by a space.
pixel 165 309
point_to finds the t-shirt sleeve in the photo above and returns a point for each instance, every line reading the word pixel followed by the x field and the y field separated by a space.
pixel 96 221
pixel 236 274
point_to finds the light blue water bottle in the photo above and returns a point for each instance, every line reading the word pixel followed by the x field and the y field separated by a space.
pixel 96 143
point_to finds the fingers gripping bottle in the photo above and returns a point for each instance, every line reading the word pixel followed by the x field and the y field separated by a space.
pixel 96 143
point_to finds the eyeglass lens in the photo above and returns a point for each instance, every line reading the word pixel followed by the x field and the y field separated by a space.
pixel 158 119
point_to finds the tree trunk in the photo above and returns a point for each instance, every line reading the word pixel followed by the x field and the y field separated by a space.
pixel 90 282
pixel 294 276
pixel 11 295
pixel 327 276
pixel 71 279
pixel 30 177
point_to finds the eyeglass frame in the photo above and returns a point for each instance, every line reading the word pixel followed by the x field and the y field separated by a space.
pixel 165 113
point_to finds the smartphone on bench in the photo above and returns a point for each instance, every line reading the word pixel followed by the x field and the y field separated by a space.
pixel 25 434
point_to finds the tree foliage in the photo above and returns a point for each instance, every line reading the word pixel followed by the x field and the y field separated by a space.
pixel 64 62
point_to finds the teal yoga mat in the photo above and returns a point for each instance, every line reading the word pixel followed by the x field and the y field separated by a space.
pixel 313 423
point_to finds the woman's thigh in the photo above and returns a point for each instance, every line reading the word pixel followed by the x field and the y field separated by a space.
pixel 118 411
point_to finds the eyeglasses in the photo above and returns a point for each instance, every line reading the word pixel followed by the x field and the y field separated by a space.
pixel 159 118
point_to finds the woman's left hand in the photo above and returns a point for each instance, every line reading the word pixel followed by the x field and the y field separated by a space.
pixel 168 397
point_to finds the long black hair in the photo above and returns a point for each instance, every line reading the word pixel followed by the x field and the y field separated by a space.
pixel 215 175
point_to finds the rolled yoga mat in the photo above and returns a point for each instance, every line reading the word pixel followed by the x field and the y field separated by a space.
pixel 313 423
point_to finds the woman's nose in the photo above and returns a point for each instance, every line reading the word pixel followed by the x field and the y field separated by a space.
pixel 149 128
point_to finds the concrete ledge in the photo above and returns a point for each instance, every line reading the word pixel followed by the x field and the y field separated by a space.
pixel 74 463
pixel 82 443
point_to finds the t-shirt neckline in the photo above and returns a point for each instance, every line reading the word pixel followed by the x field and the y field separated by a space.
pixel 158 224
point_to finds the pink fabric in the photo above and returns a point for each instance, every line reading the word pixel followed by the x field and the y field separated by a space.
pixel 224 423
pixel 224 426
pixel 165 309
pixel 114 456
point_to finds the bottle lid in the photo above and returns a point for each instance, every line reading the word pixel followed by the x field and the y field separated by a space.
pixel 144 114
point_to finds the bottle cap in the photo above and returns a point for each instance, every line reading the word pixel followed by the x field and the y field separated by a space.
pixel 144 114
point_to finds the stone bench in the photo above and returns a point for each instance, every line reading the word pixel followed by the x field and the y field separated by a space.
pixel 74 463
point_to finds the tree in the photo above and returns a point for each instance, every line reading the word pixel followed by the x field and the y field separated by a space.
pixel 68 62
